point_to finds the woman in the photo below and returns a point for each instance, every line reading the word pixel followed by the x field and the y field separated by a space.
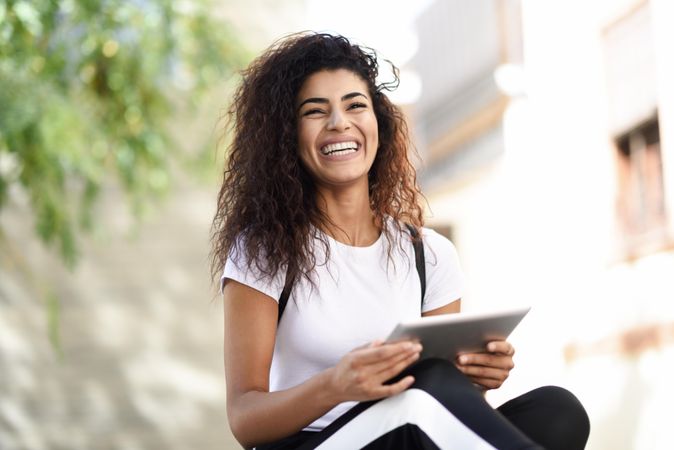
pixel 319 205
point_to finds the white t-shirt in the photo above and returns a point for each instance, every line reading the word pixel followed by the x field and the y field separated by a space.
pixel 360 296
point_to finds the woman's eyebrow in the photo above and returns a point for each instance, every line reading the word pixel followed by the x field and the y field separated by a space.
pixel 352 95
pixel 323 100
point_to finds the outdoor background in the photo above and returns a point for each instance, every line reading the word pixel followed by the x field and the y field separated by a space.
pixel 546 135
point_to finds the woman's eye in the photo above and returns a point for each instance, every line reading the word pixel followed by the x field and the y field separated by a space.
pixel 357 105
pixel 312 111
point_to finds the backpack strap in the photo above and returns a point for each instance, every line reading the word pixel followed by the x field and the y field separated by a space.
pixel 285 295
pixel 419 259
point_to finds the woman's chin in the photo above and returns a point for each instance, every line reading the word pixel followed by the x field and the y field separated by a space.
pixel 344 180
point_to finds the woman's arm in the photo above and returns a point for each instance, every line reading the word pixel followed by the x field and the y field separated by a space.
pixel 449 308
pixel 256 415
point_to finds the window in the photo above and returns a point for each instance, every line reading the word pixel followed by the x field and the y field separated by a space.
pixel 640 204
pixel 633 123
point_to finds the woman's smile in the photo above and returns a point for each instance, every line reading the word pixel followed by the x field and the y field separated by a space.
pixel 340 148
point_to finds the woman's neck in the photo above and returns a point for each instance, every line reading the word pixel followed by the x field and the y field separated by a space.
pixel 351 221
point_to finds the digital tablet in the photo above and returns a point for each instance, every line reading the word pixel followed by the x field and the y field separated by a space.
pixel 447 335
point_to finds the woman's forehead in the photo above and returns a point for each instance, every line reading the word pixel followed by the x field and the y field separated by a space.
pixel 332 83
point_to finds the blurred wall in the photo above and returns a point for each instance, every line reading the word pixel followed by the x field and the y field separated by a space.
pixel 522 128
pixel 139 365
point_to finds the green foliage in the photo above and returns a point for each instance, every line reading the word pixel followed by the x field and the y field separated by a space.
pixel 86 88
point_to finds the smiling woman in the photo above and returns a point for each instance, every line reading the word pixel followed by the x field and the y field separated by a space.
pixel 319 208
pixel 337 129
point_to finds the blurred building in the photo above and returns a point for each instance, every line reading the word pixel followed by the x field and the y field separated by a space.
pixel 547 133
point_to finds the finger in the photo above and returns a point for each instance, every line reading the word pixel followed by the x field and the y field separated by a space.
pixel 387 372
pixel 484 372
pixel 384 364
pixel 375 343
pixel 388 390
pixel 502 347
pixel 383 369
pixel 384 352
pixel 485 359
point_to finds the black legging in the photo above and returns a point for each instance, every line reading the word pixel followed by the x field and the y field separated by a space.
pixel 549 417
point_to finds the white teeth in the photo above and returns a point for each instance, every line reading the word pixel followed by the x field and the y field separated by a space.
pixel 340 148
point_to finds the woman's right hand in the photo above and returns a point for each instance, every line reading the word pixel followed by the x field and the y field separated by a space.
pixel 360 375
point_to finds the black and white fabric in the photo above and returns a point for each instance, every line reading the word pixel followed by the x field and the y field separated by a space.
pixel 444 410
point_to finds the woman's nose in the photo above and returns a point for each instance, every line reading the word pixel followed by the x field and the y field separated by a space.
pixel 338 121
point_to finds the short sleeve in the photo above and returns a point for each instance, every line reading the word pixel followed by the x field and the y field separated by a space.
pixel 238 269
pixel 444 277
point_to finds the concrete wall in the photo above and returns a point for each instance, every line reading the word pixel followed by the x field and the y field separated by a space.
pixel 140 335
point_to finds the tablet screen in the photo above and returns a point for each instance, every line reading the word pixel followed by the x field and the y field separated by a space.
pixel 448 335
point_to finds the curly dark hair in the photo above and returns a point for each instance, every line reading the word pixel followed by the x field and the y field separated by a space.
pixel 267 203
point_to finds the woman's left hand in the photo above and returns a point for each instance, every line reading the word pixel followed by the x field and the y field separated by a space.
pixel 490 369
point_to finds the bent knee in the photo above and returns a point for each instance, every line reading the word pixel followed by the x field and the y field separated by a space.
pixel 566 412
pixel 561 399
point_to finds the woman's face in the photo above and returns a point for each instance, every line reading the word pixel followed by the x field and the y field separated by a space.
pixel 337 128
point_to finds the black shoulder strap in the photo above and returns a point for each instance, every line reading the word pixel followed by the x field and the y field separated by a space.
pixel 419 259
pixel 285 295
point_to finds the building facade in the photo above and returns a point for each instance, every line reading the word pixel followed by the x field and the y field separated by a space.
pixel 547 133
